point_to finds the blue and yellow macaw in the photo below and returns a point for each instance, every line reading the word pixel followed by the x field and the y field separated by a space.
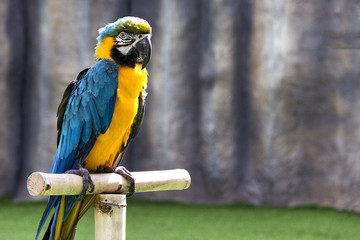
pixel 100 113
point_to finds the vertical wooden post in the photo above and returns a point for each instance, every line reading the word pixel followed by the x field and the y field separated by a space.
pixel 110 216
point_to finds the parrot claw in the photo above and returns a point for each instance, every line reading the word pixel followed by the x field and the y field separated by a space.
pixel 127 175
pixel 124 173
pixel 87 181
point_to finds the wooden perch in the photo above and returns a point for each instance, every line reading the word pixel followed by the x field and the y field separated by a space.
pixel 41 184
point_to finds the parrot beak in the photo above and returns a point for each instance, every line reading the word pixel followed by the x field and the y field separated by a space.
pixel 143 48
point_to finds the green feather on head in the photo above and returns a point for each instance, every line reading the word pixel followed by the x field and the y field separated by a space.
pixel 126 24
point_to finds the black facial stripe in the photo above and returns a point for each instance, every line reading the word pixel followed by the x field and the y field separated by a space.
pixel 125 60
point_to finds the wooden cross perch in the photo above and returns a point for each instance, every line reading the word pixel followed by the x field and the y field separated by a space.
pixel 110 190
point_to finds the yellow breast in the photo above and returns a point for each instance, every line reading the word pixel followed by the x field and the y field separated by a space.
pixel 131 83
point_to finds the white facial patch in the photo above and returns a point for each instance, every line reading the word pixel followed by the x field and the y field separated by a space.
pixel 125 49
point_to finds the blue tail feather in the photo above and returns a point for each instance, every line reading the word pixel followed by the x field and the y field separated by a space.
pixel 49 207
pixel 53 224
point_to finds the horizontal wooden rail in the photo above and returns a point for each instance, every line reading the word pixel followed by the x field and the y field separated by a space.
pixel 41 184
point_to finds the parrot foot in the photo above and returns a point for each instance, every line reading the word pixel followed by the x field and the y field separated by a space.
pixel 127 175
pixel 122 171
pixel 87 181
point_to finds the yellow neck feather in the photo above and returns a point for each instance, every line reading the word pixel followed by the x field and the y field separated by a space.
pixel 132 80
pixel 103 50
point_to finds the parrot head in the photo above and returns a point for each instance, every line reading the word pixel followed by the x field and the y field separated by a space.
pixel 126 42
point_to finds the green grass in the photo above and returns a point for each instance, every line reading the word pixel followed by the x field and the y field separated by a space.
pixel 168 220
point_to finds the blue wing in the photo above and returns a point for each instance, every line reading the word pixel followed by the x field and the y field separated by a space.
pixel 88 113
pixel 84 113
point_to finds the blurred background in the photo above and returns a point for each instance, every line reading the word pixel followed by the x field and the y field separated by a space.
pixel 258 100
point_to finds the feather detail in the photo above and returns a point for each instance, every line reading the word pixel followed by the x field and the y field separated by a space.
pixel 82 117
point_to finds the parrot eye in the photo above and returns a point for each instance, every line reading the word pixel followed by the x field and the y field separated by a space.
pixel 124 39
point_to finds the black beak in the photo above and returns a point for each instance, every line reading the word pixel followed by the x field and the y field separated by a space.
pixel 143 48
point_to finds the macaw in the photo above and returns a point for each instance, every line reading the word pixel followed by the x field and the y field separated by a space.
pixel 100 113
